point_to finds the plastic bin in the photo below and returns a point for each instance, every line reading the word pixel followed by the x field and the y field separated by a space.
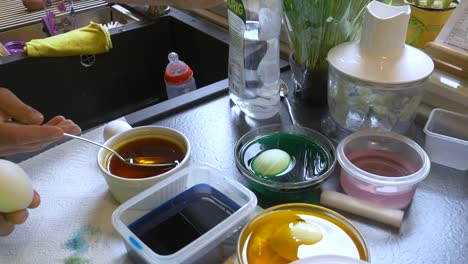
pixel 447 138
pixel 215 245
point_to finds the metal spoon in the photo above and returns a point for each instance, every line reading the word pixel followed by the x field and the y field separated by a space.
pixel 284 97
pixel 138 161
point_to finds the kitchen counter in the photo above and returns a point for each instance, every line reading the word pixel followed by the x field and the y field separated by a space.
pixel 74 220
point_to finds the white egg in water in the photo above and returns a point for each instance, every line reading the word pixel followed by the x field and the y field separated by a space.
pixel 16 191
pixel 115 127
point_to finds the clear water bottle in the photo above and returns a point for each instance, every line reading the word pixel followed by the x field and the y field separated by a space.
pixel 178 77
pixel 254 72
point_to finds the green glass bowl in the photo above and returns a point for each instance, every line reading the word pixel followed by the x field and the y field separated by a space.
pixel 314 159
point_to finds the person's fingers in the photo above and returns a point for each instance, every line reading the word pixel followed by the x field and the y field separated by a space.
pixel 35 201
pixel 15 108
pixel 68 126
pixel 17 135
pixel 6 227
pixel 56 120
pixel 17 217
pixel 20 216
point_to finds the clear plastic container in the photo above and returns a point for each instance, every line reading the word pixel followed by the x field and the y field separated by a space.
pixel 382 167
pixel 447 138
pixel 178 77
pixel 214 246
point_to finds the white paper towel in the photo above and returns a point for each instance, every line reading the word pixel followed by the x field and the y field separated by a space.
pixel 73 223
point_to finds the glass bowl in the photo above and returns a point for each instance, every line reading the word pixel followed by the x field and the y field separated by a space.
pixel 313 159
pixel 382 167
pixel 262 239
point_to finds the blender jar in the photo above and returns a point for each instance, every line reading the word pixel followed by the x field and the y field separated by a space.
pixel 376 82
pixel 355 104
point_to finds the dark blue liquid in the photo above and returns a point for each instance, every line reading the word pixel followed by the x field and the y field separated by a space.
pixel 184 218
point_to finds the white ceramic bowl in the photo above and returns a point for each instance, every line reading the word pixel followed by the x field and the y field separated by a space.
pixel 125 188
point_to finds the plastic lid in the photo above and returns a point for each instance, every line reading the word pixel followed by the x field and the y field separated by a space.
pixel 177 72
pixel 381 56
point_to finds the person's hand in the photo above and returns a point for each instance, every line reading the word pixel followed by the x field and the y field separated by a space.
pixel 22 128
pixel 9 220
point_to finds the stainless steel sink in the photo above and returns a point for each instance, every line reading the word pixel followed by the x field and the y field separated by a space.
pixel 92 90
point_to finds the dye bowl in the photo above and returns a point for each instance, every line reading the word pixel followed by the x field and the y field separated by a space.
pixel 264 240
pixel 313 160
pixel 382 167
pixel 193 216
pixel 122 186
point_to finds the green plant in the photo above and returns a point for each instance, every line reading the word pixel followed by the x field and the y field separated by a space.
pixel 431 3
pixel 315 26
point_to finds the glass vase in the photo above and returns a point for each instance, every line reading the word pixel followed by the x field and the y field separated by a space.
pixel 313 28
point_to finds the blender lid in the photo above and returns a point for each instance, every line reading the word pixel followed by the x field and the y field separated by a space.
pixel 381 55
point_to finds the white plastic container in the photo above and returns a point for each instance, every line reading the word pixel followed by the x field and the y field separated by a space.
pixel 447 138
pixel 217 243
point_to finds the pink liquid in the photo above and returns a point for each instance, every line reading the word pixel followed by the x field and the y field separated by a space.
pixel 382 163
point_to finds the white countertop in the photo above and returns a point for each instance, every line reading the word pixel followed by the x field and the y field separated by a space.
pixel 73 222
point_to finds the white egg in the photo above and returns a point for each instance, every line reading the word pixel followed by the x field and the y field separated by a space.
pixel 16 191
pixel 114 128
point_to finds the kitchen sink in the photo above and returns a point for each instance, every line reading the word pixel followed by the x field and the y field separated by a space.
pixel 92 90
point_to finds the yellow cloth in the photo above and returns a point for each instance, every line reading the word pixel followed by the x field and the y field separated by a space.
pixel 90 40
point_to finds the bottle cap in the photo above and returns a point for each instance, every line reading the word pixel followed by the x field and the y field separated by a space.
pixel 177 72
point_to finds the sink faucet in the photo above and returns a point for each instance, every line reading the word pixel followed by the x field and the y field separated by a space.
pixel 157 11
pixel 150 11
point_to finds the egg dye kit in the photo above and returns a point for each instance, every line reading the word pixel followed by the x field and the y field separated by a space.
pixel 193 216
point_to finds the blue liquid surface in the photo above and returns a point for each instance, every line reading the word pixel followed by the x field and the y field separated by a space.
pixel 183 219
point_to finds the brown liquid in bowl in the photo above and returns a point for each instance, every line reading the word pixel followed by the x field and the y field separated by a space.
pixel 166 150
